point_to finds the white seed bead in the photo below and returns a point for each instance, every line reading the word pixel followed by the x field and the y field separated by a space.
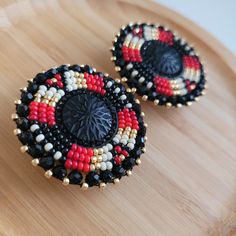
pixel 105 149
pixel 129 105
pixel 123 97
pixel 109 156
pixel 43 88
pixel 68 81
pixel 69 87
pixel 67 74
pixel 57 95
pixel 141 79
pixel 57 155
pixel 73 79
pixel 109 84
pixel 117 90
pixel 109 165
pixel 53 90
pixel 130 145
pixel 125 136
pixel 48 147
pixel 103 166
pixel 118 136
pixel 104 157
pixel 134 73
pixel 149 85
pixel 124 141
pixel 129 66
pixel 109 146
pixel 132 140
pixel 34 127
pixel 72 73
pixel 116 140
pixel 41 92
pixel 75 86
pixel 39 138
pixel 49 93
pixel 61 92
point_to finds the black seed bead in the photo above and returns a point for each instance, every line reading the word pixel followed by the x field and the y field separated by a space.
pixel 59 172
pixel 50 73
pixel 88 69
pixel 32 87
pixel 26 138
pixel 26 97
pixel 23 123
pixel 75 177
pixel 22 110
pixel 62 68
pixel 62 160
pixel 46 162
pixel 190 97
pixel 36 151
pixel 106 176
pixel 92 179
pixel 128 163
pixel 40 78
pixel 118 171
pixel 75 68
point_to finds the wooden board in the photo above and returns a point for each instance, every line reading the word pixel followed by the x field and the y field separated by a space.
pixel 186 184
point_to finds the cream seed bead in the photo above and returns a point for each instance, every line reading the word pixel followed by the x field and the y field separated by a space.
pixel 39 138
pixel 109 165
pixel 109 84
pixel 57 155
pixel 34 127
pixel 48 147
pixel 43 88
pixel 103 166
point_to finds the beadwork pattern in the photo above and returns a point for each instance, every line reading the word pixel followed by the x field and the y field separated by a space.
pixel 157 63
pixel 80 125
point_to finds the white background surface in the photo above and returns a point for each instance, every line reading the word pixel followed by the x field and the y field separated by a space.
pixel 217 17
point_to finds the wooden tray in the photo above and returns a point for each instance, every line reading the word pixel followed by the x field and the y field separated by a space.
pixel 186 184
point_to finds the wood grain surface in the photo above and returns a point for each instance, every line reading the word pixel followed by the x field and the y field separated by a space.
pixel 186 184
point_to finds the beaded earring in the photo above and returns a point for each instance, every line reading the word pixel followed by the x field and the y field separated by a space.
pixel 158 65
pixel 80 126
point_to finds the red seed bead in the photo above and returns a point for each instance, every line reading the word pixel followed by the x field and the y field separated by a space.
pixel 57 76
pixel 74 165
pixel 33 117
pixel 73 147
pixel 60 84
pixel 118 149
pixel 125 153
pixel 90 151
pixel 68 164
pixel 34 112
pixel 84 151
pixel 49 82
pixel 79 149
pixel 86 167
pixel 117 160
pixel 50 108
pixel 70 154
pixel 80 166
pixel 43 120
pixel 81 157
pixel 87 159
pixel 76 156
pixel 51 123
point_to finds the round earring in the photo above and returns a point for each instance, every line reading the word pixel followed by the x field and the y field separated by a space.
pixel 158 65
pixel 80 126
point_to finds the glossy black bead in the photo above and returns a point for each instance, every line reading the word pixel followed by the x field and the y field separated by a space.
pixel 75 177
pixel 40 78
pixel 59 172
pixel 33 87
pixel 22 110
pixel 106 176
pixel 50 73
pixel 23 123
pixel 26 138
pixel 62 68
pixel 46 162
pixel 62 160
pixel 26 97
pixel 118 171
pixel 75 68
pixel 92 179
pixel 36 151
pixel 128 163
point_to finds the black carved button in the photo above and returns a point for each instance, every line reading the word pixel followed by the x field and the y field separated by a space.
pixel 158 64
pixel 80 126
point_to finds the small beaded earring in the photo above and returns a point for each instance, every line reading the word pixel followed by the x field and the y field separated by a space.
pixel 158 65
pixel 80 126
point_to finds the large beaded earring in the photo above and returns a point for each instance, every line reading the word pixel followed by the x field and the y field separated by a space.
pixel 158 65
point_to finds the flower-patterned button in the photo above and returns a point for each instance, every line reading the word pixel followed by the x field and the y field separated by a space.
pixel 158 64
pixel 80 125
